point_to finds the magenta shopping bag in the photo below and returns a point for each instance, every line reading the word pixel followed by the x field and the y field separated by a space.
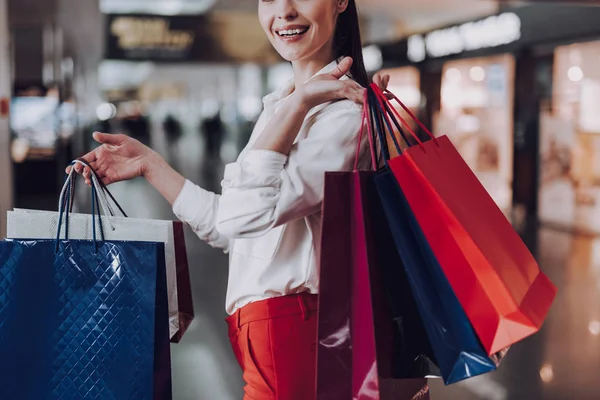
pixel 355 349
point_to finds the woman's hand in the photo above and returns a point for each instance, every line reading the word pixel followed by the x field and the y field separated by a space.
pixel 323 88
pixel 328 87
pixel 118 159
pixel 382 82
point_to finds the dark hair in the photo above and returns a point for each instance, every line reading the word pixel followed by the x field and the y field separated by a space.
pixel 347 42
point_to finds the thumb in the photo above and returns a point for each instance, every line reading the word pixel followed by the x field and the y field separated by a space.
pixel 342 68
pixel 107 138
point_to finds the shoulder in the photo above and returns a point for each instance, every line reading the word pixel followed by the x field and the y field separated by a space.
pixel 337 121
pixel 337 111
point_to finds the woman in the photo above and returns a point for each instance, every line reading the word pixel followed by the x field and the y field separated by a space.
pixel 268 217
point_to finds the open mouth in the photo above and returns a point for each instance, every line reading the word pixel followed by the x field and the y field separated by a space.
pixel 290 33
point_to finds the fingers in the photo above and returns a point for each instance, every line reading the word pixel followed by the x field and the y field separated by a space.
pixel 381 81
pixel 342 68
pixel 377 79
pixel 108 138
pixel 89 158
pixel 353 91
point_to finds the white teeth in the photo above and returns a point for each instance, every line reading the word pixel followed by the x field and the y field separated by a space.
pixel 291 32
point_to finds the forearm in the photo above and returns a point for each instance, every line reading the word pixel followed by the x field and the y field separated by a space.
pixel 164 178
pixel 279 135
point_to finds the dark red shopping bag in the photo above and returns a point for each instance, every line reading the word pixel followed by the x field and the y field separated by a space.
pixel 493 274
pixel 355 346
pixel 355 343
pixel 185 301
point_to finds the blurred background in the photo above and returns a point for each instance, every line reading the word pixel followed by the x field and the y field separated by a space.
pixel 515 85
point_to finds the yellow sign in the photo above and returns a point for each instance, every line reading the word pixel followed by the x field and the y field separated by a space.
pixel 152 33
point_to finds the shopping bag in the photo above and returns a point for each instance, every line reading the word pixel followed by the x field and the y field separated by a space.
pixel 37 224
pixel 185 302
pixel 349 354
pixel 357 354
pixel 457 349
pixel 494 276
pixel 403 349
pixel 83 319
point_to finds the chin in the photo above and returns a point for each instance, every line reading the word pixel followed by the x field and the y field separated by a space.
pixel 290 57
pixel 293 55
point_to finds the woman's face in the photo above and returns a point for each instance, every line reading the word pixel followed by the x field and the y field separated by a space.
pixel 298 29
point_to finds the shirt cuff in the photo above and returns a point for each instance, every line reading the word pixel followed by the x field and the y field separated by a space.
pixel 186 205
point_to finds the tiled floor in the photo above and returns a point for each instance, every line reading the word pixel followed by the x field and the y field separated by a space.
pixel 562 362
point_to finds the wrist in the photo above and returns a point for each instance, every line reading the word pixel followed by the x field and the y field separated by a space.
pixel 151 162
pixel 299 103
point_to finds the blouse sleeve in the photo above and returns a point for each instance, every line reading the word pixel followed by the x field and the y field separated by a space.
pixel 266 189
pixel 198 208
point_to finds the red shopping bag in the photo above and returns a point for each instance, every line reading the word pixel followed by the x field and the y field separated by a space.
pixel 355 328
pixel 495 277
pixel 185 301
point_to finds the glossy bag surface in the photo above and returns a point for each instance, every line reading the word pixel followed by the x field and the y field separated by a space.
pixel 87 322
pixel 358 355
pixel 495 277
pixel 38 224
pixel 458 352
pixel 456 346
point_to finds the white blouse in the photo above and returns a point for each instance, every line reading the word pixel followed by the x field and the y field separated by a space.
pixel 269 216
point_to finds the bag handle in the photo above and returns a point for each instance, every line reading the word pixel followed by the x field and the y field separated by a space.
pixel 99 196
pixel 377 124
pixel 64 207
pixel 104 192
pixel 410 113
pixel 365 114
pixel 382 121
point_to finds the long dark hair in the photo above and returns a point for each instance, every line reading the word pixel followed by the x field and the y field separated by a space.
pixel 346 42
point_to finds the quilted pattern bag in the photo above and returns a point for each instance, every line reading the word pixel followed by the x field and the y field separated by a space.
pixel 38 224
pixel 83 319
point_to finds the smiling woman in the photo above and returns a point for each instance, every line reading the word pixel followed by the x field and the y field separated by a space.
pixel 268 217
pixel 308 31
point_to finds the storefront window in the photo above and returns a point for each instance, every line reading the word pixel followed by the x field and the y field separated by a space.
pixel 477 115
pixel 570 141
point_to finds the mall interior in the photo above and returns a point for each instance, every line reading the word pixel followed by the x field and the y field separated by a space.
pixel 514 85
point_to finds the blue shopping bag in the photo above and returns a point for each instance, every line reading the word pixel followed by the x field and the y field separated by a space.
pixel 457 349
pixel 83 320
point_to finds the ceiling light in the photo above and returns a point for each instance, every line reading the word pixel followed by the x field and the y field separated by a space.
pixel 453 74
pixel 575 74
pixel 477 74
pixel 156 7
pixel 106 111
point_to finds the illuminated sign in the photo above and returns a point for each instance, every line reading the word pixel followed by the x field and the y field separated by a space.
pixel 187 38
pixel 158 37
pixel 493 31
pixel 153 33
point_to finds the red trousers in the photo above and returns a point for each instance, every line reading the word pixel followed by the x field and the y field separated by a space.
pixel 275 343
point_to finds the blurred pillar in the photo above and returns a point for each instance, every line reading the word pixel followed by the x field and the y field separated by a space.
pixel 6 178
pixel 530 90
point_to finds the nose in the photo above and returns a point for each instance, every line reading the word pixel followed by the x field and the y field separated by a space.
pixel 286 10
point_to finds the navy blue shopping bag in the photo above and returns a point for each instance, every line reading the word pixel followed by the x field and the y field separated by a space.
pixel 83 320
pixel 458 352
